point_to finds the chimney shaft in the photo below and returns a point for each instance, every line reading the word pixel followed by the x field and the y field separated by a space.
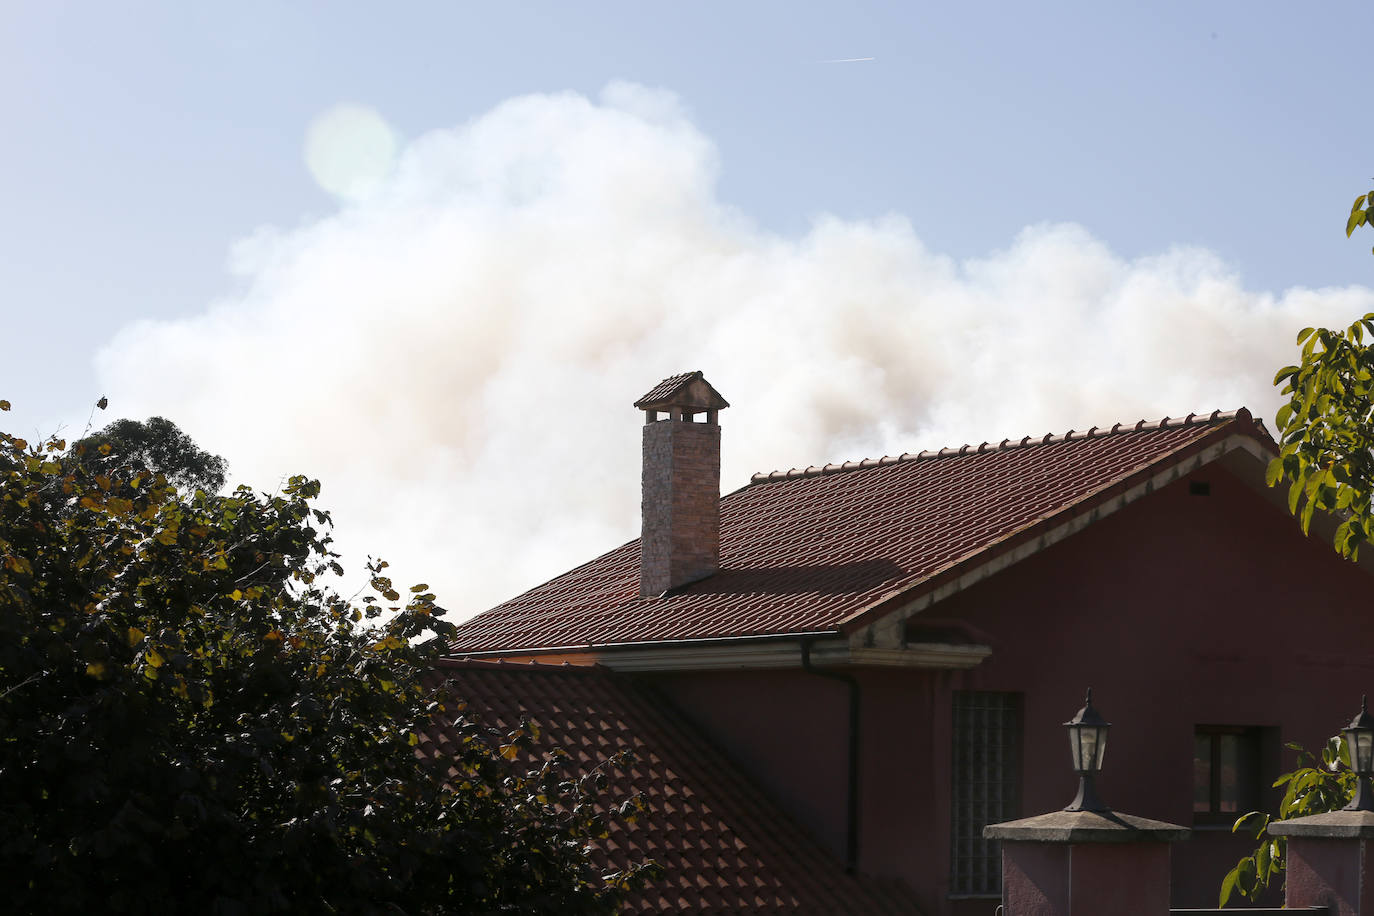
pixel 680 540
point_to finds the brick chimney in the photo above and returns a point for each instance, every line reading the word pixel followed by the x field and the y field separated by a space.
pixel 680 539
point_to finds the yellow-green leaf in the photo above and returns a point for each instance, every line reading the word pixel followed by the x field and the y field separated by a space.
pixel 1275 471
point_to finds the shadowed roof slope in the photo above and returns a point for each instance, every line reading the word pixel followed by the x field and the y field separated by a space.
pixel 724 847
pixel 812 550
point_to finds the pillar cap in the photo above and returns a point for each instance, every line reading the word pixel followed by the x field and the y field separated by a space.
pixel 1086 827
pixel 1331 825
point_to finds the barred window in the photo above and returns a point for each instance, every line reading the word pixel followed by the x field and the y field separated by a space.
pixel 986 786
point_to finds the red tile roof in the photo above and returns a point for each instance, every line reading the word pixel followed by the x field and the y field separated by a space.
pixel 822 549
pixel 723 845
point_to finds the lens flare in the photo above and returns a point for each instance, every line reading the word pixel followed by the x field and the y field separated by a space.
pixel 350 150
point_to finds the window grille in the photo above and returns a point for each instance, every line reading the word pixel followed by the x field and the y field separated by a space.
pixel 986 786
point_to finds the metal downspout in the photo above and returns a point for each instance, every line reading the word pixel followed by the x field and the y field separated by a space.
pixel 851 845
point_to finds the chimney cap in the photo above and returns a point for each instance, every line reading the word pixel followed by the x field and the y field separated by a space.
pixel 689 391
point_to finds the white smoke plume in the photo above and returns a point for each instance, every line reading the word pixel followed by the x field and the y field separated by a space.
pixel 455 355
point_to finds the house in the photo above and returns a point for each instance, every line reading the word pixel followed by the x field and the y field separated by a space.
pixel 885 649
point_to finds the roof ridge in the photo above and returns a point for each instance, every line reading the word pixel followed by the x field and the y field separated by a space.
pixel 1215 418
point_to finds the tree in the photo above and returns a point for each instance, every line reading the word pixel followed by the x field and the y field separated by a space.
pixel 191 722
pixel 1326 457
pixel 1326 430
pixel 155 445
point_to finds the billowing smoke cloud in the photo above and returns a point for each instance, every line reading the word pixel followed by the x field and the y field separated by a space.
pixel 455 355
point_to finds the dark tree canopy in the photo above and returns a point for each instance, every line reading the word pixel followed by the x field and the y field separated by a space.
pixel 190 722
pixel 156 445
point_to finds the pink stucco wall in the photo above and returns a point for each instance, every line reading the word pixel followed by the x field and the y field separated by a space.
pixel 1060 879
pixel 784 728
pixel 1334 873
pixel 1178 610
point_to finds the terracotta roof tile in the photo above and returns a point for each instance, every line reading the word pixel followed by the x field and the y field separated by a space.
pixel 667 388
pixel 688 389
pixel 809 550
pixel 723 845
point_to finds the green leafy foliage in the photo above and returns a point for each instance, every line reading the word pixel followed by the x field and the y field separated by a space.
pixel 1315 787
pixel 1360 212
pixel 1326 432
pixel 191 722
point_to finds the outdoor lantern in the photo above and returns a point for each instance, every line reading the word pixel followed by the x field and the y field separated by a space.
pixel 1088 743
pixel 1359 739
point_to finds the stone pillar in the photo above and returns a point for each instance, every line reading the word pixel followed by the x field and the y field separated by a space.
pixel 1330 861
pixel 1085 863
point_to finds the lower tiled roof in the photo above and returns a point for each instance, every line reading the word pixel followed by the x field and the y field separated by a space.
pixel 813 550
pixel 723 845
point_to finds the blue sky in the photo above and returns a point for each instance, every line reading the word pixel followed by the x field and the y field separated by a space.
pixel 1201 154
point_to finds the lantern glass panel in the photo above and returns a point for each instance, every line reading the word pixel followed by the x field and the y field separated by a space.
pixel 1361 742
pixel 1088 744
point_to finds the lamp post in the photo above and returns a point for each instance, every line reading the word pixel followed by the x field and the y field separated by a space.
pixel 1359 739
pixel 1086 858
pixel 1088 742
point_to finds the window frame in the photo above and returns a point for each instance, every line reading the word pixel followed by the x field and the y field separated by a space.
pixel 1250 765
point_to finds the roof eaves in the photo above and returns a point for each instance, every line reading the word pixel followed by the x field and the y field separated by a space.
pixel 490 656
